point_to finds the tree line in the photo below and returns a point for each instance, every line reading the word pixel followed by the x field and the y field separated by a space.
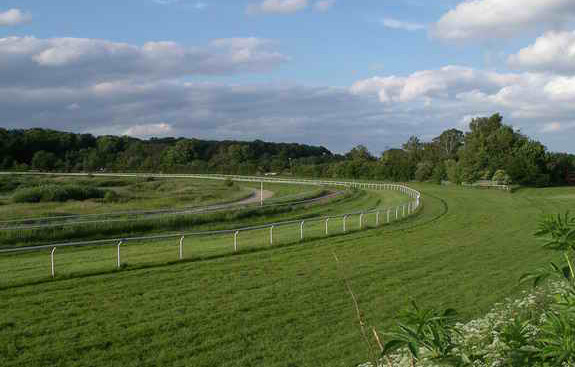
pixel 490 150
pixel 51 150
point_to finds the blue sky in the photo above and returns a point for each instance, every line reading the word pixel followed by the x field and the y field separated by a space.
pixel 329 72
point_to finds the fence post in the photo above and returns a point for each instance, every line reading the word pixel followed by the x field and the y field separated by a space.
pixel 119 264
pixel 236 233
pixel 403 211
pixel 181 254
pixel 388 213
pixel 377 218
pixel 344 220
pixel 396 213
pixel 271 235
pixel 52 269
pixel 361 221
pixel 326 227
pixel 301 229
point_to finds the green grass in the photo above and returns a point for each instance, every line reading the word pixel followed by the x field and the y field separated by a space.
pixel 286 305
pixel 134 193
pixel 142 194
pixel 73 261
pixel 236 218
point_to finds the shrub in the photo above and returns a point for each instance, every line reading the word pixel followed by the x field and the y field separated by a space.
pixel 501 178
pixel 424 171
pixel 439 174
pixel 111 196
pixel 59 193
pixel 228 182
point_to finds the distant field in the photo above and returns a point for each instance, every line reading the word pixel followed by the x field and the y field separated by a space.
pixel 283 306
pixel 132 194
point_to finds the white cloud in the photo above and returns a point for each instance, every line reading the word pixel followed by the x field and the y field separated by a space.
pixel 496 18
pixel 324 5
pixel 29 60
pixel 13 17
pixel 398 24
pixel 552 52
pixel 277 6
pixel 443 83
pixel 149 130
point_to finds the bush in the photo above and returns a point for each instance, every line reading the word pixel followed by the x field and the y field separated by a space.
pixel 501 178
pixel 424 171
pixel 438 174
pixel 228 182
pixel 111 197
pixel 58 193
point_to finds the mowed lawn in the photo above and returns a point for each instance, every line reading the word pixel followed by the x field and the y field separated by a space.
pixel 285 306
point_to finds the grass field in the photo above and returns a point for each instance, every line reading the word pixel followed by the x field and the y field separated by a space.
pixel 74 261
pixel 104 219
pixel 133 194
pixel 286 305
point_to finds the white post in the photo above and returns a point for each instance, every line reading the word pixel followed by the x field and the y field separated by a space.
pixel 326 227
pixel 262 194
pixel 271 235
pixel 361 221
pixel 181 255
pixel 119 264
pixel 396 213
pixel 301 229
pixel 388 213
pixel 52 269
pixel 377 218
pixel 344 220
pixel 236 240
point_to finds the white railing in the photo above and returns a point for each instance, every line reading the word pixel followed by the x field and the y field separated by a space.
pixel 379 217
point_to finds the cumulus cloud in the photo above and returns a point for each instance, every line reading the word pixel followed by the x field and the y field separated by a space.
pixel 13 17
pixel 552 52
pixel 324 5
pixel 443 83
pixel 33 61
pixel 277 7
pixel 399 24
pixel 496 18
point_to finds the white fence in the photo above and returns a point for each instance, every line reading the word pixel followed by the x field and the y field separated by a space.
pixel 267 234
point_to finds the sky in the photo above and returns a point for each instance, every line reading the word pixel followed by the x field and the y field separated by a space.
pixel 336 73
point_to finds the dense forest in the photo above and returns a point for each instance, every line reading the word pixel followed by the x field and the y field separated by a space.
pixel 49 150
pixel 490 150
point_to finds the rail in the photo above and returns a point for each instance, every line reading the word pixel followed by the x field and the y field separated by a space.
pixel 378 216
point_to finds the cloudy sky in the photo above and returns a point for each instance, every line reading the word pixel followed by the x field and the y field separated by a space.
pixel 326 72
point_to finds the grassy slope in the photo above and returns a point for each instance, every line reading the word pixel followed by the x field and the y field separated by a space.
pixel 286 306
pixel 31 267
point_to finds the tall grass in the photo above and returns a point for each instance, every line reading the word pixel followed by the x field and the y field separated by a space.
pixel 56 193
